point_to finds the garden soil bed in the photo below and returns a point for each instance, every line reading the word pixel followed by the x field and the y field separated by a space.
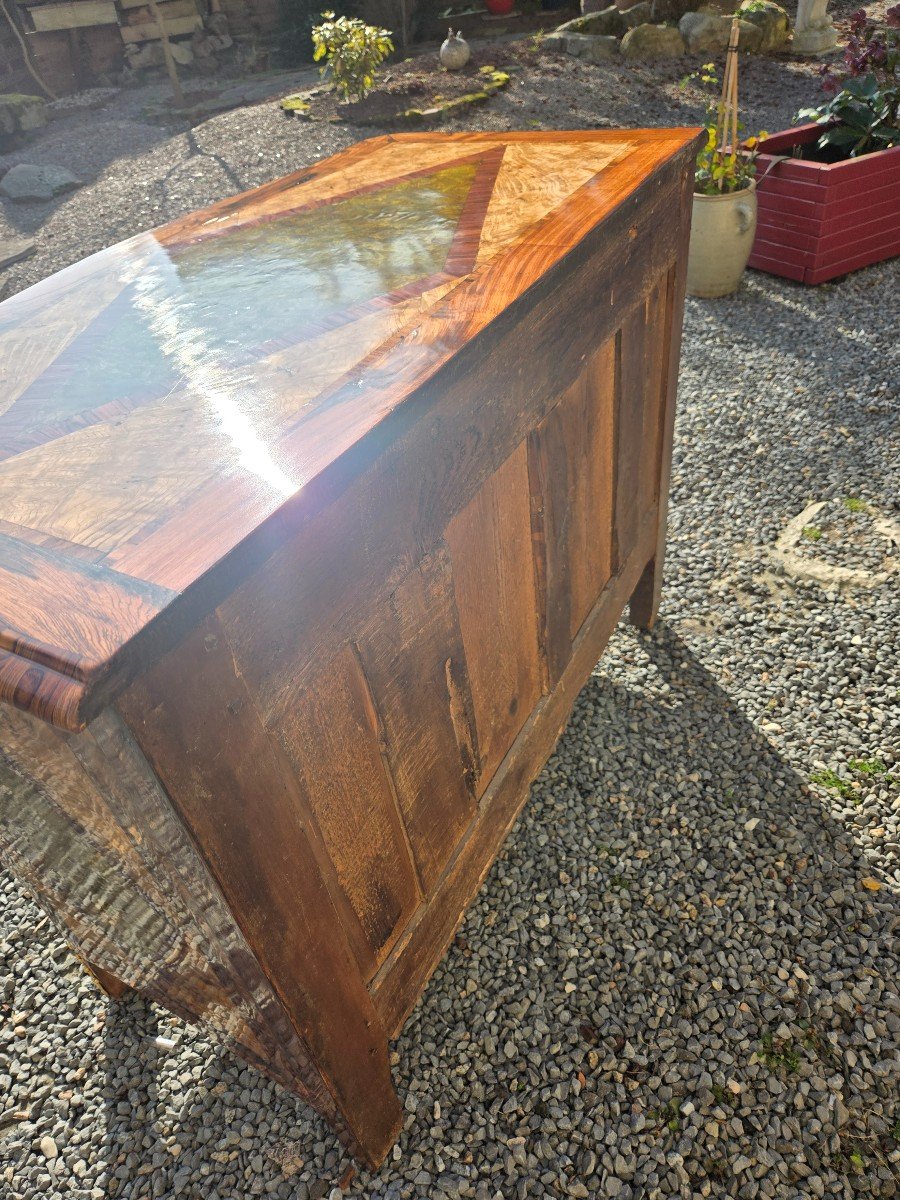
pixel 820 220
pixel 416 91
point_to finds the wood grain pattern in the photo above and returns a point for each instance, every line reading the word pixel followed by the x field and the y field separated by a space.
pixel 332 734
pixel 169 488
pixel 65 635
pixel 137 905
pixel 403 976
pixel 493 575
pixel 429 471
pixel 412 654
pixel 235 790
pixel 644 603
pixel 571 464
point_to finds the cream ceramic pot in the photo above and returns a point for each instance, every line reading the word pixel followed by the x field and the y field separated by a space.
pixel 722 232
pixel 455 52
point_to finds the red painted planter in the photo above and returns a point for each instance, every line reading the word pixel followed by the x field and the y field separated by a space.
pixel 499 8
pixel 820 220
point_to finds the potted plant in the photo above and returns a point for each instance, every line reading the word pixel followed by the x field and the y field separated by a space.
pixel 830 200
pixel 723 219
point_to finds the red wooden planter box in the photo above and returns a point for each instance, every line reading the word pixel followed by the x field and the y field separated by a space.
pixel 820 220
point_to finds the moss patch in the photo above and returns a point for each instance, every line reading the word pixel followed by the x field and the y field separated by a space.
pixel 445 110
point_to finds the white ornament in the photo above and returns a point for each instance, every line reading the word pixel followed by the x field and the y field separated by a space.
pixel 455 52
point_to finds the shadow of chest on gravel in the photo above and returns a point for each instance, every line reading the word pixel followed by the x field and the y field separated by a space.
pixel 317 508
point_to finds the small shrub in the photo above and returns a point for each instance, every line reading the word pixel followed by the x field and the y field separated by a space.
pixel 353 52
pixel 868 766
pixel 863 114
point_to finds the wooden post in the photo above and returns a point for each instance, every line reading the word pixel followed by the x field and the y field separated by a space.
pixel 644 604
pixel 167 52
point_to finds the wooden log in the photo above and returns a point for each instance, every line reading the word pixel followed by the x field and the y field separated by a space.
pixel 50 17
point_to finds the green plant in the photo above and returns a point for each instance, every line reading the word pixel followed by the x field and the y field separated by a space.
pixel 854 504
pixel 812 533
pixel 775 1053
pixel 831 780
pixel 669 1115
pixel 863 114
pixel 723 1096
pixel 861 117
pixel 722 164
pixel 353 52
pixel 868 766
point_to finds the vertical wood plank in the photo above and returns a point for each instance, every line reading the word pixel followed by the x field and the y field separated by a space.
pixel 412 655
pixel 333 737
pixel 656 338
pixel 643 386
pixel 629 432
pixel 493 573
pixel 571 472
pixel 644 604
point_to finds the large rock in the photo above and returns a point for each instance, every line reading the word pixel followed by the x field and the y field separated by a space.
pixel 182 53
pixel 590 47
pixel 141 58
pixel 653 41
pixel 21 114
pixel 13 250
pixel 638 14
pixel 772 21
pixel 29 182
pixel 708 32
pixel 596 47
pixel 750 38
pixel 608 22
pixel 704 32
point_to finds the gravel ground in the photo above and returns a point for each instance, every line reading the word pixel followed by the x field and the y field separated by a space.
pixel 680 978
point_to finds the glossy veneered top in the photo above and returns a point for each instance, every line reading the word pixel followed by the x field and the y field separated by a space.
pixel 163 399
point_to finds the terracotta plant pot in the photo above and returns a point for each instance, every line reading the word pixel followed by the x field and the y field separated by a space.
pixel 499 8
pixel 722 229
pixel 821 220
